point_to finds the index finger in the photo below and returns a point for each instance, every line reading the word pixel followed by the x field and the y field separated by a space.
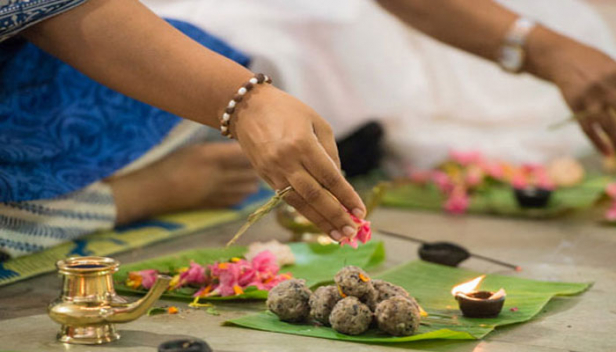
pixel 325 171
pixel 594 131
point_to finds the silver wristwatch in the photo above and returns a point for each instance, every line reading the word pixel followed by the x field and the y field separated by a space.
pixel 512 53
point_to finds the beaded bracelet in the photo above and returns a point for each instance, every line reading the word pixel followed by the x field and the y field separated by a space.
pixel 259 78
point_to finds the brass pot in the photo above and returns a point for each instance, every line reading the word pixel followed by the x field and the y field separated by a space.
pixel 88 306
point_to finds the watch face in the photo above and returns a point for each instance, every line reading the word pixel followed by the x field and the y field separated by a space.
pixel 512 58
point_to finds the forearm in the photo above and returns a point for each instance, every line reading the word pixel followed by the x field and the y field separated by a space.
pixel 123 45
pixel 478 27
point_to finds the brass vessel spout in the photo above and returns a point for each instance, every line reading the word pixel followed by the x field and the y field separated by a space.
pixel 88 306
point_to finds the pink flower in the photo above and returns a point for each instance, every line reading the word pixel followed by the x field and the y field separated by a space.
pixel 364 233
pixel 465 158
pixel 530 168
pixel 458 202
pixel 442 181
pixel 611 190
pixel 494 170
pixel 265 263
pixel 542 179
pixel 610 215
pixel 195 275
pixel 248 273
pixel 519 181
pixel 143 278
pixel 228 281
pixel 350 241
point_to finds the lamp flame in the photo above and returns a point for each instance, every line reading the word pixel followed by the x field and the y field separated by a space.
pixel 468 286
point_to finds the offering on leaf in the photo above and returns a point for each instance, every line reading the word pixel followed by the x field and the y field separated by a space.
pixel 349 307
pixel 432 285
pixel 470 182
pixel 223 279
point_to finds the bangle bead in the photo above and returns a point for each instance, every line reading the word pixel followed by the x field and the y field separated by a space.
pixel 225 119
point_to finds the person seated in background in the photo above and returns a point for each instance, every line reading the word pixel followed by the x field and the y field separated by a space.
pixel 94 136
pixel 357 60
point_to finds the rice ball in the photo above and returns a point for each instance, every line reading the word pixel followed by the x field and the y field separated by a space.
pixel 350 316
pixel 353 281
pixel 371 298
pixel 289 300
pixel 387 290
pixel 322 301
pixel 398 316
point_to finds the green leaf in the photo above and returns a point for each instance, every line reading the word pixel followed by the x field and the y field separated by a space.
pixel 212 311
pixel 157 311
pixel 431 285
pixel 313 262
pixel 499 199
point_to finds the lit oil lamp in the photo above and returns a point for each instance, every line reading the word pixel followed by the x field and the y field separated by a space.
pixel 478 304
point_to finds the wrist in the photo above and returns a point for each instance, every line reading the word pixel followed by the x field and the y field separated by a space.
pixel 545 53
pixel 253 103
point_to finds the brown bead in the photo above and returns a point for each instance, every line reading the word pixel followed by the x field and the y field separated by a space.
pixel 238 98
pixel 260 77
pixel 268 80
pixel 229 110
pixel 248 85
pixel 225 123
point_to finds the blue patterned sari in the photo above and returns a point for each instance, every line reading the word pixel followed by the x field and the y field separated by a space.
pixel 61 131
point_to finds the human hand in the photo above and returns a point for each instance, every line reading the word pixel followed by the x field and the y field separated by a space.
pixel 208 175
pixel 289 144
pixel 587 79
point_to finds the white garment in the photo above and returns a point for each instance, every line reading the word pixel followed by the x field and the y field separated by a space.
pixel 353 62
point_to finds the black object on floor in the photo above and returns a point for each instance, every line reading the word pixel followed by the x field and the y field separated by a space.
pixel 192 345
pixel 361 151
pixel 533 197
pixel 444 253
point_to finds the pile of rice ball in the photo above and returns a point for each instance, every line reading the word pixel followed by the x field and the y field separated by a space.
pixel 350 307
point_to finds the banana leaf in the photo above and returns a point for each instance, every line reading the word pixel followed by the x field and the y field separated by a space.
pixel 431 284
pixel 499 199
pixel 315 263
